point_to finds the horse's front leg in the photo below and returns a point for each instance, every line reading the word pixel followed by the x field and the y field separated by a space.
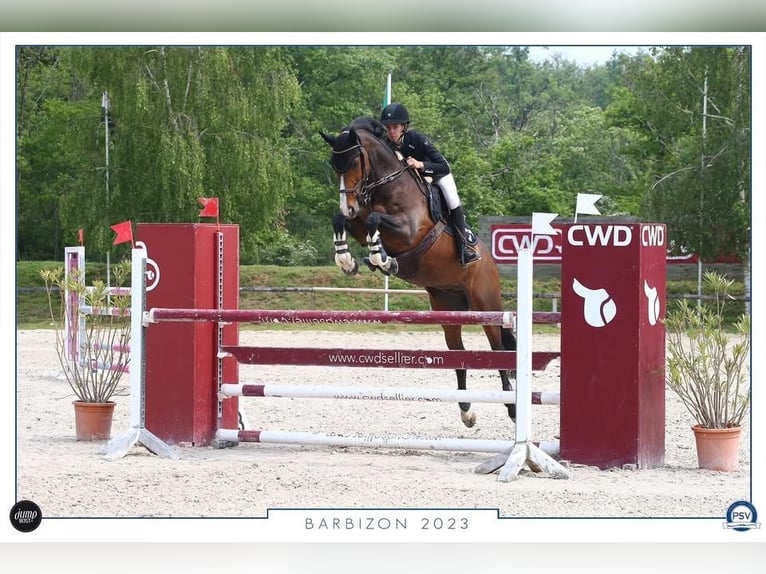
pixel 343 257
pixel 378 257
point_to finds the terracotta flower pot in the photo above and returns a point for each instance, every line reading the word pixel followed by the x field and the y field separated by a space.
pixel 93 421
pixel 717 449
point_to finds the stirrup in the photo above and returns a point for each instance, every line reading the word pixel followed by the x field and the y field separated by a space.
pixel 469 256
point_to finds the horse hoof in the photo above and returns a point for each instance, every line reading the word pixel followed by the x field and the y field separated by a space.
pixel 369 264
pixel 469 419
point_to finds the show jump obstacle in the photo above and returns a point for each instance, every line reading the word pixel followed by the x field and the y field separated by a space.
pixel 612 351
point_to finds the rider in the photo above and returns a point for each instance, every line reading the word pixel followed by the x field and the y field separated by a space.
pixel 421 154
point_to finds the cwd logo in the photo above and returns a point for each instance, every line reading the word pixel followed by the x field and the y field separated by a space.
pixel 600 235
pixel 599 309
pixel 653 303
pixel 653 236
pixel 152 274
pixel 152 269
pixel 508 240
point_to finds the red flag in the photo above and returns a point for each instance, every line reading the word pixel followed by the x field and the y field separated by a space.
pixel 209 207
pixel 81 235
pixel 124 232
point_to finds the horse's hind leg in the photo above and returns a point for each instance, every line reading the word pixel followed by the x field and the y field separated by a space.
pixel 502 339
pixel 454 339
pixel 509 344
pixel 485 294
pixel 451 301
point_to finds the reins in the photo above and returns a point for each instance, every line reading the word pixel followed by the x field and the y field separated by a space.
pixel 365 190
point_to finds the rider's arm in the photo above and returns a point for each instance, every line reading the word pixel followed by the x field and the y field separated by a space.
pixel 422 148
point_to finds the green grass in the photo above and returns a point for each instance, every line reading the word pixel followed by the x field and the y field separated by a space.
pixel 32 311
pixel 32 307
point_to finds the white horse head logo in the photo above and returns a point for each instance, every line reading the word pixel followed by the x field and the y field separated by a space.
pixel 653 303
pixel 599 308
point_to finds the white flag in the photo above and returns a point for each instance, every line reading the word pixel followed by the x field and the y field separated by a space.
pixel 586 203
pixel 541 223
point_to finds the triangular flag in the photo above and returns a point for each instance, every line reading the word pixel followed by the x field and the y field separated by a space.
pixel 586 203
pixel 541 223
pixel 81 235
pixel 124 232
pixel 209 207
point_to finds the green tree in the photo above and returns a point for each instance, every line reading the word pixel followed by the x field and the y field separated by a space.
pixel 185 122
pixel 199 122
pixel 694 104
pixel 242 123
pixel 52 164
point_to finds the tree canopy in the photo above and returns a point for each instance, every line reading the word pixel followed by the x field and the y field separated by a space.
pixel 111 133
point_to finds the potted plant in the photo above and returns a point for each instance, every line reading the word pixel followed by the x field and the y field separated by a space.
pixel 707 367
pixel 95 360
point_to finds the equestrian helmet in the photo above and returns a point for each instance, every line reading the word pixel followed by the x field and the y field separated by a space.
pixel 394 114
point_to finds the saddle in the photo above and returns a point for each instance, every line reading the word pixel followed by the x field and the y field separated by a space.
pixel 438 210
pixel 407 263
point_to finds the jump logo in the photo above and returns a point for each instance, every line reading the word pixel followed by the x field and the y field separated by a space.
pixel 653 303
pixel 152 269
pixel 599 308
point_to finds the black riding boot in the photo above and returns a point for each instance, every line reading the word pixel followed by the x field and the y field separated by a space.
pixel 467 252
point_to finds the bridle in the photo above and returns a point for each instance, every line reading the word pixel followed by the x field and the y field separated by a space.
pixel 364 189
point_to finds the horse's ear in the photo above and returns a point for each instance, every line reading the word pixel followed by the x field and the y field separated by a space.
pixel 329 139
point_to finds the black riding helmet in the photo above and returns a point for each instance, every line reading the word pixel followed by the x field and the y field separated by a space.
pixel 394 114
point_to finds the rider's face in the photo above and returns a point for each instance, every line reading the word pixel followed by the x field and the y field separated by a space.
pixel 395 132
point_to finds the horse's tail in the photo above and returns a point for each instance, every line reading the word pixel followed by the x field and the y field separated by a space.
pixel 508 339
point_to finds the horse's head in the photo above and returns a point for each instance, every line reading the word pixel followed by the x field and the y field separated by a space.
pixel 356 153
pixel 347 160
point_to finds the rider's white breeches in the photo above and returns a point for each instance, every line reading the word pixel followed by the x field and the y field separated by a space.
pixel 449 188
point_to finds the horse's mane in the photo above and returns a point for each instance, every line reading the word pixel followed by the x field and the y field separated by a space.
pixel 345 143
pixel 370 125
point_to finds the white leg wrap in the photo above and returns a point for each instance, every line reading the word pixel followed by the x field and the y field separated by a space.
pixel 377 253
pixel 343 257
pixel 345 261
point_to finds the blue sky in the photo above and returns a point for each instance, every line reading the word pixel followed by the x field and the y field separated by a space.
pixel 583 55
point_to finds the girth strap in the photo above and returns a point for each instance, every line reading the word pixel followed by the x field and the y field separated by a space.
pixel 408 261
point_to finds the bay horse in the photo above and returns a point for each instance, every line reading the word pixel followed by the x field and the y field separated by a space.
pixel 388 207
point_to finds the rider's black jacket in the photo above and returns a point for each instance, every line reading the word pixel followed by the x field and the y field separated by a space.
pixel 414 144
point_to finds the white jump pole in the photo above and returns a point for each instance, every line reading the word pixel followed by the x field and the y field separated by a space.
pixel 119 446
pixel 375 441
pixel 75 310
pixel 523 452
pixel 74 323
pixel 383 394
